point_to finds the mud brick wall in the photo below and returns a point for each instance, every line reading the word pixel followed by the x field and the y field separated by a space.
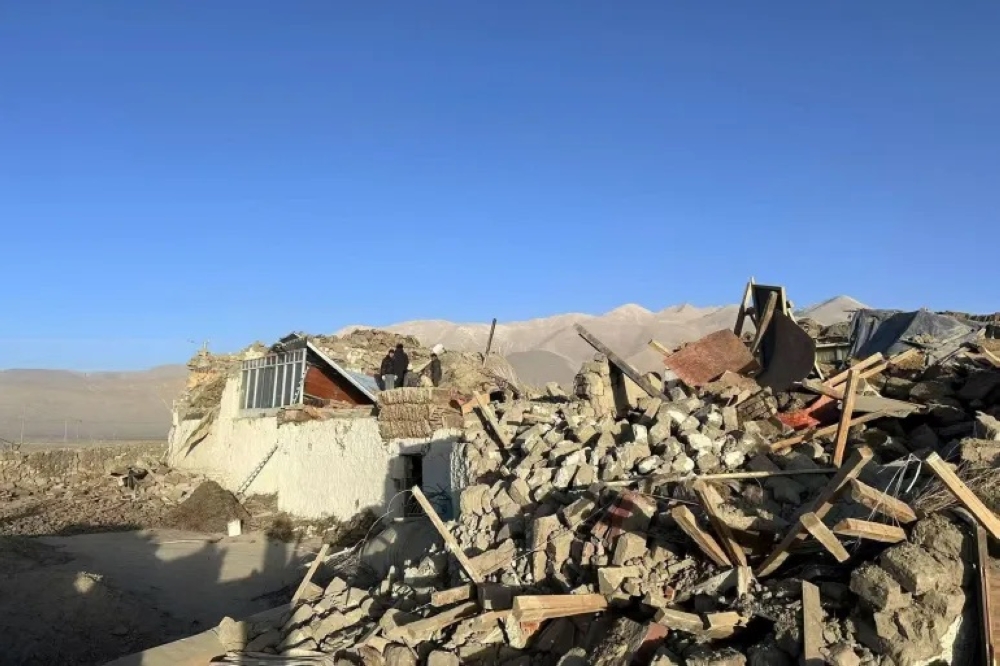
pixel 39 468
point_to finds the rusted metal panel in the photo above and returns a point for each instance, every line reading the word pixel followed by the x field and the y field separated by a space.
pixel 707 359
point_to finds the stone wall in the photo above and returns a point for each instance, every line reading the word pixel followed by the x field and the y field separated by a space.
pixel 41 468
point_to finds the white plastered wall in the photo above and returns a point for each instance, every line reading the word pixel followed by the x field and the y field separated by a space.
pixel 334 467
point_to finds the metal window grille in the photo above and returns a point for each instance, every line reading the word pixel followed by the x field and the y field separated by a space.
pixel 273 381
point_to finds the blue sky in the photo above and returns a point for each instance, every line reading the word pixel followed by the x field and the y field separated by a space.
pixel 230 171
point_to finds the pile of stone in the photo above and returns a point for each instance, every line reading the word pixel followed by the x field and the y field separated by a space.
pixel 601 531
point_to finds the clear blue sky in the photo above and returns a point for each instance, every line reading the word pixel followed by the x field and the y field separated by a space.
pixel 188 170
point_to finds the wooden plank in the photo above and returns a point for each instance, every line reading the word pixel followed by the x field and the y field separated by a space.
pixel 742 314
pixel 865 529
pixel 538 608
pixel 619 363
pixel 449 539
pixel 822 432
pixel 965 496
pixel 846 412
pixel 882 503
pixel 453 595
pixel 826 538
pixel 819 506
pixel 764 321
pixel 711 500
pixel 687 522
pixel 984 566
pixel 812 625
pixel 744 576
pixel 660 348
pixel 423 630
pixel 841 377
pixel 484 408
pixel 304 585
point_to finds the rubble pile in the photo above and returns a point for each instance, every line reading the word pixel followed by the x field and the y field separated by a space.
pixel 657 530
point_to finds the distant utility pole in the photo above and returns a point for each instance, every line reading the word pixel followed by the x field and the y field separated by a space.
pixel 489 343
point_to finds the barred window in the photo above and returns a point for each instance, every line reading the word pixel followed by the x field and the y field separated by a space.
pixel 273 381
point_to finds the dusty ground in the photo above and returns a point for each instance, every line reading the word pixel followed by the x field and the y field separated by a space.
pixel 87 599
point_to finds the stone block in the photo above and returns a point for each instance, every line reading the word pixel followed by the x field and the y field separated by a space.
pixel 917 571
pixel 878 589
pixel 628 546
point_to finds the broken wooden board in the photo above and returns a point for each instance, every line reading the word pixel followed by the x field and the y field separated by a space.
pixel 865 529
pixel 711 500
pixel 304 585
pixel 846 412
pixel 989 597
pixel 708 545
pixel 453 595
pixel 484 408
pixel 705 360
pixel 812 625
pixel 826 538
pixel 841 377
pixel 619 363
pixel 538 608
pixel 881 503
pixel 449 539
pixel 423 630
pixel 660 348
pixel 821 432
pixel 964 494
pixel 819 506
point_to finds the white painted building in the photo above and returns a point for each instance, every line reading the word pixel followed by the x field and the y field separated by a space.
pixel 297 424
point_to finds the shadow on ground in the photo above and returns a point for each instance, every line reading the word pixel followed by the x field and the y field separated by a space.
pixel 87 599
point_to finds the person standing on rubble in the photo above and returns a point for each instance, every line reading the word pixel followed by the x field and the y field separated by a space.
pixel 385 372
pixel 434 370
pixel 400 364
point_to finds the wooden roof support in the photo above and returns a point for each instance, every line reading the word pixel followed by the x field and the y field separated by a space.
pixel 819 506
pixel 453 595
pixel 687 522
pixel 537 608
pixel 822 432
pixel 660 348
pixel 864 529
pixel 965 496
pixel 619 363
pixel 483 405
pixel 711 500
pixel 449 539
pixel 846 412
pixel 764 321
pixel 320 556
pixel 812 524
pixel 881 503
pixel 841 377
pixel 742 315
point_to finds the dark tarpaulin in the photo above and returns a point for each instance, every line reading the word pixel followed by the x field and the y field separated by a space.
pixel 888 332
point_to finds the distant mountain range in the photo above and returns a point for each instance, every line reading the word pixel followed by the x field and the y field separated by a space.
pixel 549 349
pixel 56 404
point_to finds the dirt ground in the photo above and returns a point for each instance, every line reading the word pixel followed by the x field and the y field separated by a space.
pixel 87 599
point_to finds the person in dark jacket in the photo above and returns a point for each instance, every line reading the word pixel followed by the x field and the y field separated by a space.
pixel 434 369
pixel 400 364
pixel 385 372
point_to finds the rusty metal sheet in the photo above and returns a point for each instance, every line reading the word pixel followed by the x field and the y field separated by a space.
pixel 707 359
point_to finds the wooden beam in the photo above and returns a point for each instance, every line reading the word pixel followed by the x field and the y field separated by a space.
pixel 826 538
pixel 965 496
pixel 744 576
pixel 453 595
pixel 864 529
pixel 742 314
pixel 538 608
pixel 423 630
pixel 819 506
pixel 846 412
pixel 812 625
pixel 841 377
pixel 687 522
pixel 660 348
pixel 449 539
pixel 489 342
pixel 984 564
pixel 619 362
pixel 764 321
pixel 484 408
pixel 711 500
pixel 822 432
pixel 882 503
pixel 304 585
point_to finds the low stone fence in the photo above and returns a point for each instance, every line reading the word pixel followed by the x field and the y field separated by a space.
pixel 40 468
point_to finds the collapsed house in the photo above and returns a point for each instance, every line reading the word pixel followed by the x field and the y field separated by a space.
pixel 702 522
pixel 304 419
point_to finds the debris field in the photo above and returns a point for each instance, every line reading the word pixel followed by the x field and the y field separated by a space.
pixel 709 522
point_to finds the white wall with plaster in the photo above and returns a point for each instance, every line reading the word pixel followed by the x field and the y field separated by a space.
pixel 334 467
